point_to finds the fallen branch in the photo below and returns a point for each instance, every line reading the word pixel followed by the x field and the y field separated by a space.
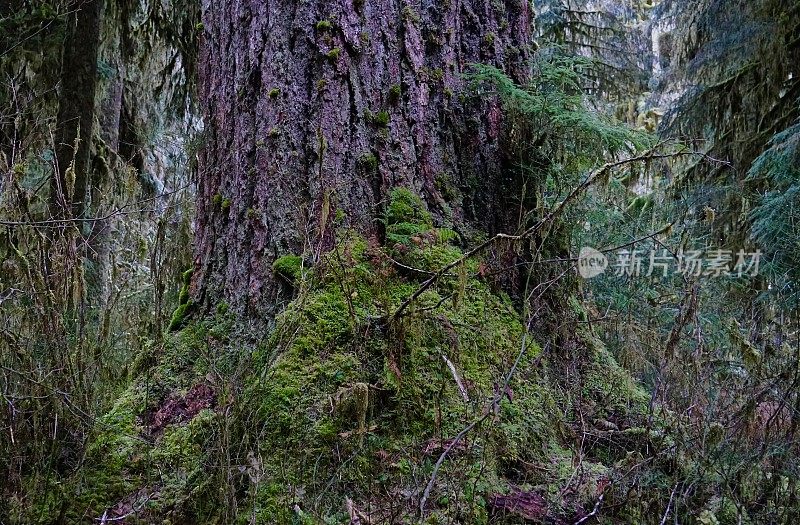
pixel 594 512
pixel 457 379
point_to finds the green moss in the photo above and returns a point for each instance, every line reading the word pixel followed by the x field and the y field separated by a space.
pixel 184 301
pixel 368 161
pixel 406 207
pixel 340 216
pixel 395 92
pixel 609 387
pixel 289 266
pixel 640 205
pixel 183 295
pixel 410 15
pixel 216 200
pixel 489 38
pixel 324 25
pixel 434 75
pixel 274 93
pixel 334 53
pixel 226 204
pixel 381 119
pixel 325 387
pixel 342 398
pixel 274 132
pixel 446 187
pixel 179 316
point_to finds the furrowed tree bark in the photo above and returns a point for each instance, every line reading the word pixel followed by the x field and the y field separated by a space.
pixel 314 109
pixel 76 109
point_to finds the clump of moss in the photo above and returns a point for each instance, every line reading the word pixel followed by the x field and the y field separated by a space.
pixel 410 15
pixel 379 119
pixel 395 92
pixel 334 53
pixel 406 207
pixel 274 93
pixel 226 204
pixel 324 25
pixel 216 200
pixel 434 75
pixel 125 461
pixel 289 266
pixel 368 161
pixel 184 302
pixel 178 319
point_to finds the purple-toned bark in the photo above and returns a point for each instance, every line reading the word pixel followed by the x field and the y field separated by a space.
pixel 295 97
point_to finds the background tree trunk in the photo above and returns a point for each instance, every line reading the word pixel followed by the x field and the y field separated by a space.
pixel 76 107
pixel 316 109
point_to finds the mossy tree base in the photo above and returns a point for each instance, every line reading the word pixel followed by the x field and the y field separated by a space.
pixel 342 413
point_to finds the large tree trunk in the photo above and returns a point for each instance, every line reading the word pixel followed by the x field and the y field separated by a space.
pixel 296 97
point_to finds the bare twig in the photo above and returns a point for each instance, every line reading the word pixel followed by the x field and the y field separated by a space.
pixel 669 504
pixel 594 512
pixel 457 379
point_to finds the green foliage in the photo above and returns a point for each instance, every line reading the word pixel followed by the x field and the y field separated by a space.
pixel 776 216
pixel 554 105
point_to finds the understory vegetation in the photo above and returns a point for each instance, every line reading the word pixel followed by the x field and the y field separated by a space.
pixel 340 388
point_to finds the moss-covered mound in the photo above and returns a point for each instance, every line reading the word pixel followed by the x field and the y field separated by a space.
pixel 341 410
